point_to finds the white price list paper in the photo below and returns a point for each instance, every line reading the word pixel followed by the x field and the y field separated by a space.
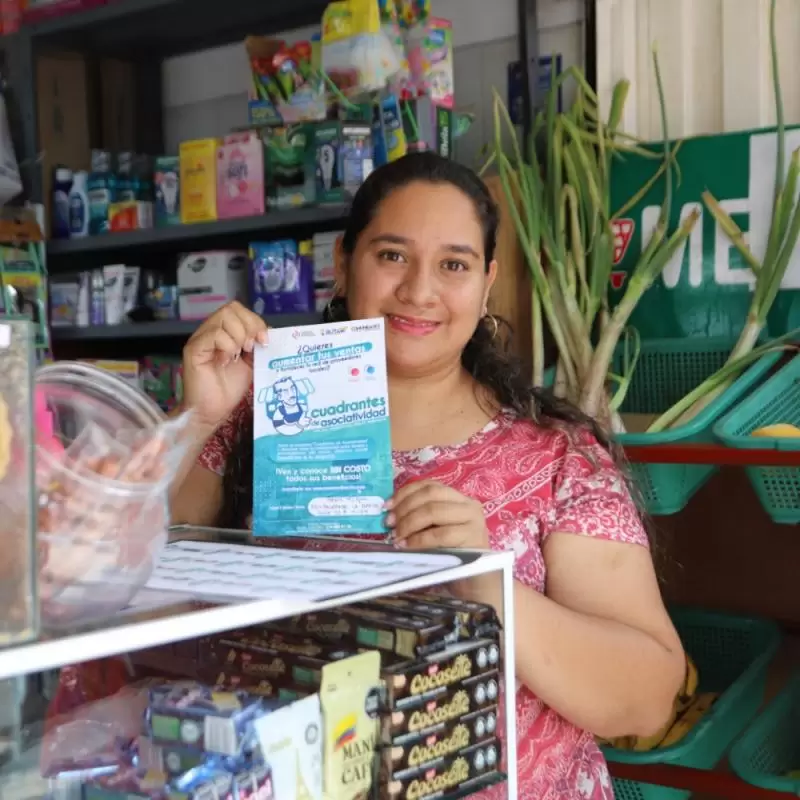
pixel 207 569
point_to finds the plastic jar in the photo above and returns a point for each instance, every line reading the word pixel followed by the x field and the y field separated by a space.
pixel 98 537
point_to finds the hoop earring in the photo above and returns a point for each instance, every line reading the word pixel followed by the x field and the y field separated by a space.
pixel 493 322
pixel 334 295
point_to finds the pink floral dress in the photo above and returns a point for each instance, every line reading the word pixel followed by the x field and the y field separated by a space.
pixel 532 481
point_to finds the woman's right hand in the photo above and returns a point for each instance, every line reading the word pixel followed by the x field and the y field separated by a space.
pixel 218 363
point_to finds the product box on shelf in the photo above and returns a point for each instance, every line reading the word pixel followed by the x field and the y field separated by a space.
pixel 289 177
pixel 342 159
pixel 240 176
pixel 281 277
pixel 130 215
pixel 168 191
pixel 198 180
pixel 208 280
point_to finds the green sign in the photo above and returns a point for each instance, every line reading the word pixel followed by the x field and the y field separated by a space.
pixel 705 290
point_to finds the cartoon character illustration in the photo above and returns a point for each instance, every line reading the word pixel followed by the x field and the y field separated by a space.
pixel 287 405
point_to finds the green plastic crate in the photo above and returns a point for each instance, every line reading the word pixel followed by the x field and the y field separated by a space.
pixel 770 747
pixel 732 655
pixel 777 400
pixel 667 370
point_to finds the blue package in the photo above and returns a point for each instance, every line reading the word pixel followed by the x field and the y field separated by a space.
pixel 322 450
pixel 191 715
pixel 281 279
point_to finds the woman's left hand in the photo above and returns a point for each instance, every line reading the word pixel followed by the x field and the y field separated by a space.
pixel 425 515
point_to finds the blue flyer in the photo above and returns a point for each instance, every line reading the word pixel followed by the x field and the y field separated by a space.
pixel 322 449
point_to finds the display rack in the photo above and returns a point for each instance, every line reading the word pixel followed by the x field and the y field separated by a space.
pixel 200 233
pixel 160 329
pixel 153 622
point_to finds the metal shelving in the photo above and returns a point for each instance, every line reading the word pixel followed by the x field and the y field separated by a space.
pixel 197 235
pixel 169 27
pixel 160 329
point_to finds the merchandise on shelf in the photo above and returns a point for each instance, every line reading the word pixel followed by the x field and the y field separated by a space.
pixel 102 191
pixel 286 85
pixel 198 180
pixel 168 191
pixel 206 281
pixel 290 182
pixel 281 277
pixel 342 156
pixel 240 176
pixel 162 380
pixel 437 714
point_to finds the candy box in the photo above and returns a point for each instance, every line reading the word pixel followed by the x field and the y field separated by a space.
pixel 192 715
pixel 198 180
pixel 240 176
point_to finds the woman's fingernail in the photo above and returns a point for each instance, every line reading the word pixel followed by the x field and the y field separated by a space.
pixel 390 520
pixel 400 543
pixel 261 337
pixel 249 345
pixel 388 504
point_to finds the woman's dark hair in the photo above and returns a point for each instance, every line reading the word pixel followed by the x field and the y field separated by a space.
pixel 485 357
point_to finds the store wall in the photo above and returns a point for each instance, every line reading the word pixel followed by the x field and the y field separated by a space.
pixel 205 93
pixel 714 57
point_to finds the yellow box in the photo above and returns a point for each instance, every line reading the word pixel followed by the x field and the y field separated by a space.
pixel 198 184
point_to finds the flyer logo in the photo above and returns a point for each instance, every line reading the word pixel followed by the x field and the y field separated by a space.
pixel 623 233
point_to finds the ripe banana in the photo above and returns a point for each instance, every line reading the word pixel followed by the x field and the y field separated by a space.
pixel 699 707
pixel 780 430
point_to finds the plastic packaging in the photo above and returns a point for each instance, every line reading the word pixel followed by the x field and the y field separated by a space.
pixel 102 476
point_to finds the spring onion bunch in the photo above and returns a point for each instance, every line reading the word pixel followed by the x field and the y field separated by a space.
pixel 769 272
pixel 561 211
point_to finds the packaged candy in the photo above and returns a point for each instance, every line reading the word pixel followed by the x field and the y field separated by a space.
pixel 195 716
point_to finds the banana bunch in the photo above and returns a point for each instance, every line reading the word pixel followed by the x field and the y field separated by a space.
pixel 688 709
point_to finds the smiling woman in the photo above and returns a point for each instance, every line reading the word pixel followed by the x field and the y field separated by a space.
pixel 481 460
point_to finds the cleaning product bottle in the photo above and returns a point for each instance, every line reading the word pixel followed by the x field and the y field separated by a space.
pixel 102 191
pixel 79 205
pixel 62 185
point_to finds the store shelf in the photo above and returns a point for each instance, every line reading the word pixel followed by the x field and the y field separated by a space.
pixel 708 783
pixel 160 329
pixel 194 236
pixel 161 28
pixel 154 623
pixel 712 454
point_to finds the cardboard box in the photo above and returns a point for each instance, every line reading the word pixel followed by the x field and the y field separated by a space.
pixel 206 281
pixel 62 98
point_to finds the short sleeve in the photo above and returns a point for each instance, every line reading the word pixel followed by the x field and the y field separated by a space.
pixel 591 497
pixel 219 447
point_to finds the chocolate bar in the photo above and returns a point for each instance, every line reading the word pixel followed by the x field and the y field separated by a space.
pixel 462 772
pixel 281 667
pixel 478 620
pixel 464 698
pixel 415 751
pixel 412 682
pixel 378 629
pixel 261 687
